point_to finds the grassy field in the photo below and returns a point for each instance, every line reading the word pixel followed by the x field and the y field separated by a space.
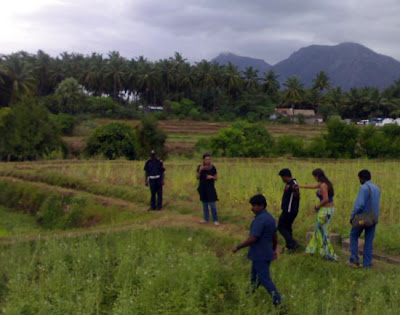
pixel 116 258
pixel 183 134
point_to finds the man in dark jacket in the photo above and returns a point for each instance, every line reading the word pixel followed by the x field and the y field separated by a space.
pixel 154 177
pixel 290 208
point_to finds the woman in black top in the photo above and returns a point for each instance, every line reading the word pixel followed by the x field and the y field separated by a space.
pixel 207 175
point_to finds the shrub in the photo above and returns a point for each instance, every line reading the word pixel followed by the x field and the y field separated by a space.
pixel 64 122
pixel 113 140
pixel 229 142
pixel 288 145
pixel 341 139
pixel 150 137
pixel 373 143
pixel 29 132
pixel 317 148
pixel 243 139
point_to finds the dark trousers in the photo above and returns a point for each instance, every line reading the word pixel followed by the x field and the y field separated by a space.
pixel 368 245
pixel 285 227
pixel 260 275
pixel 156 189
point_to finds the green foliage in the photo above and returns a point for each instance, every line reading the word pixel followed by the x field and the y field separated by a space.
pixel 29 132
pixel 70 96
pixel 64 122
pixel 243 140
pixel 113 140
pixel 341 139
pixel 287 145
pixel 150 137
pixel 107 107
pixel 381 143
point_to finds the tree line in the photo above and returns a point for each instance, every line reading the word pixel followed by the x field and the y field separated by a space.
pixel 211 89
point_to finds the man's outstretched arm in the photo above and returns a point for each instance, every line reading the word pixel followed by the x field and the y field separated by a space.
pixel 248 242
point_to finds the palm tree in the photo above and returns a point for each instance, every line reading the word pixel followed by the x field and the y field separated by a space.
pixel 232 80
pixel 250 79
pixel 21 76
pixel 167 69
pixel 42 65
pixel 205 77
pixel 271 84
pixel 116 73
pixel 294 91
pixel 148 80
pixel 186 79
pixel 335 98
pixel 321 81
pixel 92 77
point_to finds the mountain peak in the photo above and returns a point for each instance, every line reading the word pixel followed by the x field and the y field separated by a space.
pixel 348 65
pixel 242 62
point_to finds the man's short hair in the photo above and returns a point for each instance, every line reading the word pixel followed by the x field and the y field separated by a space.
pixel 258 200
pixel 365 175
pixel 285 173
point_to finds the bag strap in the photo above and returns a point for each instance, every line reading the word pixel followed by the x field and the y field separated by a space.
pixel 371 200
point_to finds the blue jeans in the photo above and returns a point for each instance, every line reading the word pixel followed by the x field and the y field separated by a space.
pixel 206 211
pixel 368 245
pixel 260 275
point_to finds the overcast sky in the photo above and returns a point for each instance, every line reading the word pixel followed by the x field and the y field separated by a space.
pixel 199 29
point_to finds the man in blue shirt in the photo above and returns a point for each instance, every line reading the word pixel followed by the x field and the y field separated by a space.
pixel 263 241
pixel 369 196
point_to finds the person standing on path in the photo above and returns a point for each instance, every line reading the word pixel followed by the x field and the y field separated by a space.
pixel 325 209
pixel 154 177
pixel 368 199
pixel 263 242
pixel 207 175
pixel 290 209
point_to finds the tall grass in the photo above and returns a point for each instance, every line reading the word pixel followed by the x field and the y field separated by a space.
pixel 177 271
pixel 238 180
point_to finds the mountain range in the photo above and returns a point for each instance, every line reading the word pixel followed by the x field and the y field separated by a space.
pixel 348 65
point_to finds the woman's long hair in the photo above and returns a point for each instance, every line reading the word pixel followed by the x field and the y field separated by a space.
pixel 320 175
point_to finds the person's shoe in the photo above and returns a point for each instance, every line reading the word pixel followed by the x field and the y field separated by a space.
pixel 216 223
pixel 151 209
pixel 353 264
pixel 295 247
pixel 203 222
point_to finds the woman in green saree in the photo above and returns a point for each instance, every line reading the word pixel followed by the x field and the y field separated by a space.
pixel 320 242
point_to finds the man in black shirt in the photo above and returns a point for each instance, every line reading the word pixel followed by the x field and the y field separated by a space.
pixel 290 208
pixel 154 170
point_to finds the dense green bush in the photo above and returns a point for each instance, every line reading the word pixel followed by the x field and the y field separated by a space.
pixel 341 139
pixel 28 132
pixel 64 122
pixel 113 140
pixel 288 145
pixel 243 140
pixel 380 143
pixel 150 137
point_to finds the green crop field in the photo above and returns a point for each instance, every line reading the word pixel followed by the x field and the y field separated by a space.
pixel 76 238
pixel 183 134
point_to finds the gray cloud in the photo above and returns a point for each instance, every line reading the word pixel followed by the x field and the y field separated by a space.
pixel 270 30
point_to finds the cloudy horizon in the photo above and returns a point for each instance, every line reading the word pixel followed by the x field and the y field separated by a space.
pixel 198 29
